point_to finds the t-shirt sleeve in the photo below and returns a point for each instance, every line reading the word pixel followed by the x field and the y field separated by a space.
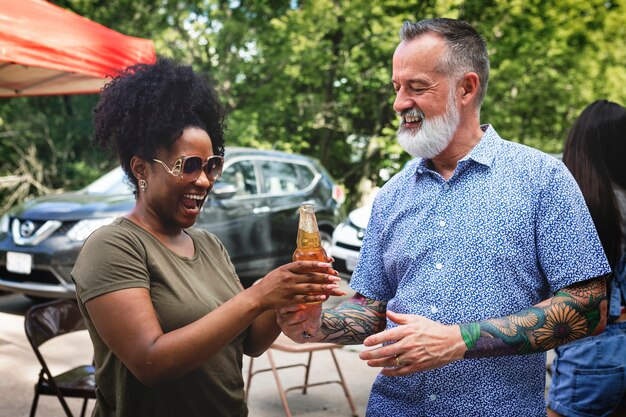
pixel 111 259
pixel 568 246
pixel 368 277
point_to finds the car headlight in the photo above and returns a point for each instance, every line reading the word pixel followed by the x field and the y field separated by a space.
pixel 4 224
pixel 81 230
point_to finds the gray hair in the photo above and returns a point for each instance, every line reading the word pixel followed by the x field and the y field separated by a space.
pixel 466 49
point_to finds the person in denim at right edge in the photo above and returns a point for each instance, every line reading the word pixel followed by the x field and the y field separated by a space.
pixel 589 375
pixel 479 256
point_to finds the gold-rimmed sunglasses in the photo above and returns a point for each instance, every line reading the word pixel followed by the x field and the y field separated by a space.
pixel 189 168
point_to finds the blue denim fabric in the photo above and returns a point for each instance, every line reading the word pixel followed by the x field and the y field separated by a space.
pixel 618 289
pixel 589 375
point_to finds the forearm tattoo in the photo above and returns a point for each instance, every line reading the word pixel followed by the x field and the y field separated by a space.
pixel 573 313
pixel 353 320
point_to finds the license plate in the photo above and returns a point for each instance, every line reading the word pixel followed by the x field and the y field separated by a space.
pixel 19 263
pixel 351 262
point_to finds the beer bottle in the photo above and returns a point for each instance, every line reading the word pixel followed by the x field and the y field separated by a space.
pixel 309 244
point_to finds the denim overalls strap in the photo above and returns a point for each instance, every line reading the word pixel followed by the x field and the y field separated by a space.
pixel 618 289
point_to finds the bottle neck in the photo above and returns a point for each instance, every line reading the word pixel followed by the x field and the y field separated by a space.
pixel 308 232
pixel 308 239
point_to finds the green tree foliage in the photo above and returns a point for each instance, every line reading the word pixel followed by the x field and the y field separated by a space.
pixel 314 77
pixel 48 139
pixel 550 58
pixel 317 81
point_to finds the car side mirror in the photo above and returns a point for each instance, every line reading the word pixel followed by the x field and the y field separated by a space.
pixel 224 190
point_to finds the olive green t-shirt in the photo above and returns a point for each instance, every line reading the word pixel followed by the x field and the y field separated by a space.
pixel 123 255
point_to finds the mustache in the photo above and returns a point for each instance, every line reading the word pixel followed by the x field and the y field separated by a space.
pixel 412 112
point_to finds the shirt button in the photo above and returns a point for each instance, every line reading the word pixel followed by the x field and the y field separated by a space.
pixel 432 397
pixel 442 223
pixel 421 171
pixel 434 309
pixel 446 186
pixel 438 265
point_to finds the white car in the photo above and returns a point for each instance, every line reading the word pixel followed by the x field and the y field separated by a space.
pixel 347 239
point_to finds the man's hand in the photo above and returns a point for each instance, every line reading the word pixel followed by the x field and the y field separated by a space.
pixel 417 344
pixel 302 322
pixel 349 323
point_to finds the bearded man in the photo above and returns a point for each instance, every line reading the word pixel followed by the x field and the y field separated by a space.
pixel 479 256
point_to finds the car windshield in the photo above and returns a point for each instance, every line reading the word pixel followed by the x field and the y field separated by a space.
pixel 113 182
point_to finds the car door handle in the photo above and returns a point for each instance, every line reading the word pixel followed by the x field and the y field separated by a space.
pixel 258 210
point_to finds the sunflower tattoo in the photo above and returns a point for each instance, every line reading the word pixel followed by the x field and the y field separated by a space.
pixel 563 324
pixel 572 313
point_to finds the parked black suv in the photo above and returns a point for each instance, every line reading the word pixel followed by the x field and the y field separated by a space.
pixel 253 209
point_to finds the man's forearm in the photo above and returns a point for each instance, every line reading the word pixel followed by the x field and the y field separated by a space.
pixel 353 320
pixel 573 313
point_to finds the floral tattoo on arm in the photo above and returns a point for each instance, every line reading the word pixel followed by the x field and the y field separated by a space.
pixel 353 320
pixel 572 313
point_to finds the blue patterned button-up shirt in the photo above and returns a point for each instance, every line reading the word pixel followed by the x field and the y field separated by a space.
pixel 506 231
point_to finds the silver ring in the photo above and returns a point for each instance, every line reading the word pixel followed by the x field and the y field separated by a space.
pixel 305 335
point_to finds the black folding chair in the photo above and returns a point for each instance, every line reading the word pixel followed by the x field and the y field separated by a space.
pixel 47 321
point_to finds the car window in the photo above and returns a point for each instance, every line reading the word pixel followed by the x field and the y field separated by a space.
pixel 113 182
pixel 241 174
pixel 306 175
pixel 279 177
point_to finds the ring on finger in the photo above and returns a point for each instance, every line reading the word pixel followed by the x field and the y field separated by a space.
pixel 398 363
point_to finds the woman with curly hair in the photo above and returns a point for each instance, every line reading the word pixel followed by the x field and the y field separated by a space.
pixel 167 315
pixel 589 375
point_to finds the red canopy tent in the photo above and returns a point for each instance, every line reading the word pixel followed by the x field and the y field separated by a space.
pixel 45 50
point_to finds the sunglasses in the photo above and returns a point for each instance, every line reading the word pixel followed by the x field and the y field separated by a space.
pixel 189 168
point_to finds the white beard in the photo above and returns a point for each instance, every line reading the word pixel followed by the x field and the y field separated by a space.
pixel 433 136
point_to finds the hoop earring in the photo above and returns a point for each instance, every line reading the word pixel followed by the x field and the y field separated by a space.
pixel 142 184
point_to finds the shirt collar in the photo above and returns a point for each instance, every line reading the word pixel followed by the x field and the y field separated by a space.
pixel 484 152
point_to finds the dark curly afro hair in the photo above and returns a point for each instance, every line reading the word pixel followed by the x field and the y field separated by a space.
pixel 148 107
